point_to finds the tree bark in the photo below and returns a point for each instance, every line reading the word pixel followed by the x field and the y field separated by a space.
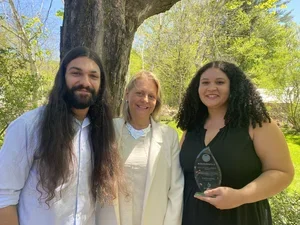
pixel 108 27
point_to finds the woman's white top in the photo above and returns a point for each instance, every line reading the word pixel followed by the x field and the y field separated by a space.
pixel 135 154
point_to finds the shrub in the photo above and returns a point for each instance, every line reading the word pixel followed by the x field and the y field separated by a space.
pixel 286 208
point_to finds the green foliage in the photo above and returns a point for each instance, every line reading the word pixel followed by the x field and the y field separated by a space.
pixel 60 13
pixel 167 51
pixel 17 87
pixel 257 35
pixel 286 208
pixel 136 63
pixel 285 84
pixel 34 33
pixel 25 75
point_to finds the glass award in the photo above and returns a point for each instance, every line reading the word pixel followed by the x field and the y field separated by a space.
pixel 207 171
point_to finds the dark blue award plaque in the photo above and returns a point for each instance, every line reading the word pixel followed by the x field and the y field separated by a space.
pixel 207 171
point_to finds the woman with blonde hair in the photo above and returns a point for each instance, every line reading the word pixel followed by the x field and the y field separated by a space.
pixel 150 152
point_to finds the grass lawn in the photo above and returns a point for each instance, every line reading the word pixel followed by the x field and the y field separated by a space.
pixel 293 141
pixel 294 147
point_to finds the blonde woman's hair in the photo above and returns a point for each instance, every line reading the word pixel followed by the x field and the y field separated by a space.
pixel 131 84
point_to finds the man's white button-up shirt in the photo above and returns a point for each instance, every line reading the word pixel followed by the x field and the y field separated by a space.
pixel 19 177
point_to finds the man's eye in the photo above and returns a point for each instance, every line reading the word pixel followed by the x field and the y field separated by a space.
pixel 75 73
pixel 94 76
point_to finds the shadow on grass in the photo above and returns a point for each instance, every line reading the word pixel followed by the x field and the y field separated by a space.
pixel 293 138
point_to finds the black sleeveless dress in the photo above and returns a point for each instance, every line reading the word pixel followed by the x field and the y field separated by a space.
pixel 236 156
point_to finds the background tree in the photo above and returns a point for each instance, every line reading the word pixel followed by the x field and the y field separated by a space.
pixel 26 67
pixel 252 34
pixel 285 85
pixel 108 27
pixel 168 49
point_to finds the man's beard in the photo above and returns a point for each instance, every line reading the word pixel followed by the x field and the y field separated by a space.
pixel 78 101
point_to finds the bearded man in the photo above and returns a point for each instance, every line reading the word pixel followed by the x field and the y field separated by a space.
pixel 58 159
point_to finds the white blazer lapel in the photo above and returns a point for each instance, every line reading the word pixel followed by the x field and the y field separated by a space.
pixel 117 210
pixel 154 152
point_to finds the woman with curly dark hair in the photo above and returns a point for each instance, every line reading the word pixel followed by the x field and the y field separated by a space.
pixel 223 111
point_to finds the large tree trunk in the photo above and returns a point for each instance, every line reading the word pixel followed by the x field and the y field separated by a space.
pixel 108 27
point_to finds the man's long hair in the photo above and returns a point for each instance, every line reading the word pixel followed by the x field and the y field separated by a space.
pixel 57 131
pixel 245 106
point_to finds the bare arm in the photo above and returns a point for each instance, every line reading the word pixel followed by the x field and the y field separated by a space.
pixel 278 170
pixel 9 216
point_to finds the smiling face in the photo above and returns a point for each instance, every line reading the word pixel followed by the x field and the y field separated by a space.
pixel 214 88
pixel 142 99
pixel 83 82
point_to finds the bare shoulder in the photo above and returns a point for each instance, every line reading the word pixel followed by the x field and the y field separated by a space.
pixel 271 147
pixel 267 130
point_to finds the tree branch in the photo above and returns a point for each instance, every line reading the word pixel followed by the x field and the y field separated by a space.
pixel 17 35
pixel 2 131
pixel 48 12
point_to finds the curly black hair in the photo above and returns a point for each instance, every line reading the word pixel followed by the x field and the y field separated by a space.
pixel 245 105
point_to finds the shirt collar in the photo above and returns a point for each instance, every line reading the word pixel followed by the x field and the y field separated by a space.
pixel 84 123
pixel 137 133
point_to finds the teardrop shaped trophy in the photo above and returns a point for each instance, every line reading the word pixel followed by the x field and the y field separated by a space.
pixel 207 171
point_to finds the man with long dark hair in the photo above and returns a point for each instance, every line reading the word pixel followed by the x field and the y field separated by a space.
pixel 58 159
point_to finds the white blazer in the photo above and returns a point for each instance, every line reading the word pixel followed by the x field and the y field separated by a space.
pixel 164 185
